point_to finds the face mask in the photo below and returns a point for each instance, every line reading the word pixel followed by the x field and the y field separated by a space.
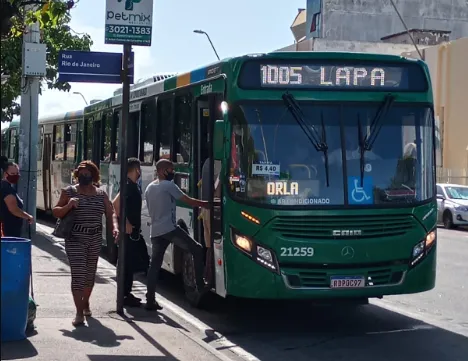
pixel 12 178
pixel 169 176
pixel 85 179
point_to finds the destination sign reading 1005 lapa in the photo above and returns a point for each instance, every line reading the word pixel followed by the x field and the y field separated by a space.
pixel 331 76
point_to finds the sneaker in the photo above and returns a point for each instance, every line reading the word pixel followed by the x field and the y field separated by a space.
pixel 153 306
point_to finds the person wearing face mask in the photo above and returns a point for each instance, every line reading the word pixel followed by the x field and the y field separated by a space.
pixel 83 247
pixel 161 196
pixel 11 211
pixel 133 228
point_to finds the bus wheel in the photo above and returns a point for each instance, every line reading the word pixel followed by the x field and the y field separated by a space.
pixel 192 294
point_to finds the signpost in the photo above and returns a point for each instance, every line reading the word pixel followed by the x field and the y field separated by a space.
pixel 128 22
pixel 92 67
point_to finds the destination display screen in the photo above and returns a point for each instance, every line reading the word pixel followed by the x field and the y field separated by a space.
pixel 333 76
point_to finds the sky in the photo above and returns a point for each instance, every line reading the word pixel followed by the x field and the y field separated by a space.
pixel 236 27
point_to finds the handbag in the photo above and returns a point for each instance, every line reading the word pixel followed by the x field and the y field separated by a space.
pixel 64 226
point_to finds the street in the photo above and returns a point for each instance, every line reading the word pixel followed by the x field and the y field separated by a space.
pixel 432 326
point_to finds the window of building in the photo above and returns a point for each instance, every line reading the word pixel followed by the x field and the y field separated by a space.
pixel 183 129
pixel 59 142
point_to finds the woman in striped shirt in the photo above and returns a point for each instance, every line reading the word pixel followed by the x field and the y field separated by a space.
pixel 90 204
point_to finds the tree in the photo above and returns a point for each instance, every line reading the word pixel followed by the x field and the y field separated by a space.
pixel 53 17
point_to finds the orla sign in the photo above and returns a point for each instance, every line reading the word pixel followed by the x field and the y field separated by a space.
pixel 129 22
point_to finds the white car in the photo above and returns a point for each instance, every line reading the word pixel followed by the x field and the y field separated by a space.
pixel 452 205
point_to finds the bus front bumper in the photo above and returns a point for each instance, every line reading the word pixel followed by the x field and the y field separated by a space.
pixel 255 281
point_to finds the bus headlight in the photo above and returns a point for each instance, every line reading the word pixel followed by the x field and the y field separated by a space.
pixel 260 254
pixel 243 243
pixel 422 248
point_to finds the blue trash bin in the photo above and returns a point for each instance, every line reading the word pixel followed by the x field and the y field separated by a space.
pixel 16 268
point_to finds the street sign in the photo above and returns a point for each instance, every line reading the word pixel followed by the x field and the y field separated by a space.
pixel 92 67
pixel 129 22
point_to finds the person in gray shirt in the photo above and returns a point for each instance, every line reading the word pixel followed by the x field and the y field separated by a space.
pixel 161 196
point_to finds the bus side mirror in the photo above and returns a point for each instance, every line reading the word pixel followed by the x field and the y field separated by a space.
pixel 218 140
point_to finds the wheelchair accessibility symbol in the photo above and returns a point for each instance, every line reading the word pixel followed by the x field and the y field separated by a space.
pixel 358 194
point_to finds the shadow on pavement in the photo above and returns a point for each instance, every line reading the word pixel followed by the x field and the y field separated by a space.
pixel 130 358
pixel 303 331
pixel 18 350
pixel 58 253
pixel 96 333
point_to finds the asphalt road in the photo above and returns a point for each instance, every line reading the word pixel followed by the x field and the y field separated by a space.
pixel 432 326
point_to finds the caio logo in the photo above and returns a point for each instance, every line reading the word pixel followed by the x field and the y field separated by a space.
pixel 129 4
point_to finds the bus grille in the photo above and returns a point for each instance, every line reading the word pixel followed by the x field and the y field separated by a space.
pixel 321 279
pixel 370 226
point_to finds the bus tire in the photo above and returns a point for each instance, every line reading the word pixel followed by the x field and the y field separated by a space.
pixel 192 294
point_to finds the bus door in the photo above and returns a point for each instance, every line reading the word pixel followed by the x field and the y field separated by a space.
pixel 208 113
pixel 46 171
pixel 201 156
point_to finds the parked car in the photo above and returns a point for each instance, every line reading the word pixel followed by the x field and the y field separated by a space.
pixel 452 205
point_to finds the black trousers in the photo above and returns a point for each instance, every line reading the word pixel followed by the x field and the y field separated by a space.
pixel 130 263
pixel 159 245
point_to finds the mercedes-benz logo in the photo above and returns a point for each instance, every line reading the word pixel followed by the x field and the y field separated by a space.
pixel 347 252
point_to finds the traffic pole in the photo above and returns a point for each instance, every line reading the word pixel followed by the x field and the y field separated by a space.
pixel 127 50
pixel 28 133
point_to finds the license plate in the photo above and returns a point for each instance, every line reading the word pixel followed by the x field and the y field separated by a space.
pixel 347 282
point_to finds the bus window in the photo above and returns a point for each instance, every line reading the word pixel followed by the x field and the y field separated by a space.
pixel 40 144
pixel 88 153
pixel 13 139
pixel 164 128
pixel 70 141
pixel 183 128
pixel 58 144
pixel 115 135
pixel 107 144
pixel 147 133
pixel 133 134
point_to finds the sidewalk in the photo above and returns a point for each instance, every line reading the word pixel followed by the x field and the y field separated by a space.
pixel 108 337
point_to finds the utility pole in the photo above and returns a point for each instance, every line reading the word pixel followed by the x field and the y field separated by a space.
pixel 33 55
pixel 127 51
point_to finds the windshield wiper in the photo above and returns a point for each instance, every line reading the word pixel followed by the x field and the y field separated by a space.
pixel 366 143
pixel 318 141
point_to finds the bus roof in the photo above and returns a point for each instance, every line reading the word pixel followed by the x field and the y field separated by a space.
pixel 73 115
pixel 215 69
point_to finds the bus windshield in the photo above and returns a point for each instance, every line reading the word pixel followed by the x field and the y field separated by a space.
pixel 274 161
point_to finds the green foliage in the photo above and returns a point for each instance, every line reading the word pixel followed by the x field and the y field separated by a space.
pixel 53 19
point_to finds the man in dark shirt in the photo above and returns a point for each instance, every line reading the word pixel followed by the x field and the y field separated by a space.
pixel 133 227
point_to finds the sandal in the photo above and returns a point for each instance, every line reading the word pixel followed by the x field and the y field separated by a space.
pixel 78 321
pixel 87 311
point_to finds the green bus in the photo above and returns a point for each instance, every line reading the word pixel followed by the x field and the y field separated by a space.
pixel 327 171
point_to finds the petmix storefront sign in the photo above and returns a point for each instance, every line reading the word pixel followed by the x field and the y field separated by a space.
pixel 129 22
